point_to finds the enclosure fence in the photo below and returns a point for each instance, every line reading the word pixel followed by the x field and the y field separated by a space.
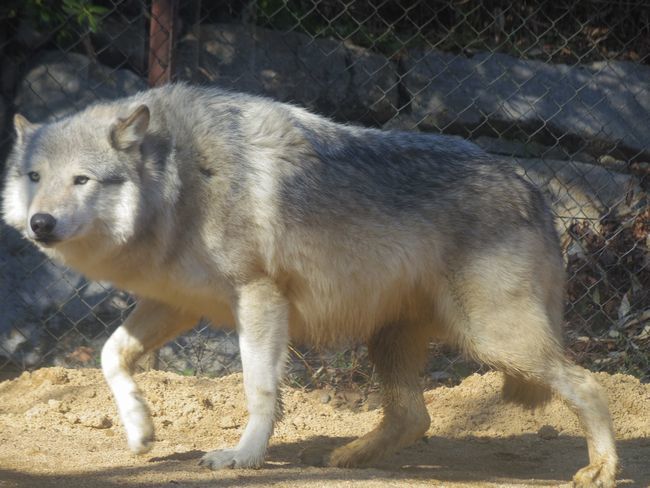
pixel 559 88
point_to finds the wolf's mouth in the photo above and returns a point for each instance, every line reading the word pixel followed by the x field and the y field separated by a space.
pixel 47 241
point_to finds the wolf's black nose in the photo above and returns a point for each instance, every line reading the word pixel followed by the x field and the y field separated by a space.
pixel 42 224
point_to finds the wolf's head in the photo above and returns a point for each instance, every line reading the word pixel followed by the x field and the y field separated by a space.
pixel 78 179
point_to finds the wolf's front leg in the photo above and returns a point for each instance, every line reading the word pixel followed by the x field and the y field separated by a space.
pixel 263 327
pixel 150 325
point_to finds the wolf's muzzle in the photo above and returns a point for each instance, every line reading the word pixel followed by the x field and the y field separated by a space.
pixel 42 225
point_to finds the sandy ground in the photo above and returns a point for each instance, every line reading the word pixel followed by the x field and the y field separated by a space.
pixel 59 428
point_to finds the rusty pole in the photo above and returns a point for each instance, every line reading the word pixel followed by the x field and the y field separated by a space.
pixel 162 40
pixel 162 37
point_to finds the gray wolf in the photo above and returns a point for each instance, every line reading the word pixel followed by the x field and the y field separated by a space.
pixel 206 203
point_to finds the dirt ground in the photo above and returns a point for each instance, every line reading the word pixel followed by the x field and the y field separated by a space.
pixel 59 428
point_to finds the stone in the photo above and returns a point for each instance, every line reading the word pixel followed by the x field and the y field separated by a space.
pixel 121 41
pixel 333 78
pixel 548 432
pixel 58 84
pixel 579 190
pixel 598 108
pixel 95 420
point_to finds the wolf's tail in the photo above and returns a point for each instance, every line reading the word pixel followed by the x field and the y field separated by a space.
pixel 525 392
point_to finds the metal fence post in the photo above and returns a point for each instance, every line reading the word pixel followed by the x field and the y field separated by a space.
pixel 162 38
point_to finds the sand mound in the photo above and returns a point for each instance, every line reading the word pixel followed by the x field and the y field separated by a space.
pixel 59 427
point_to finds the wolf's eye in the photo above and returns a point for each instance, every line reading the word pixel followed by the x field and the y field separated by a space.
pixel 80 180
pixel 34 176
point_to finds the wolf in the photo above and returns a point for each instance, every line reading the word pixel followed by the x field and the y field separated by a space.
pixel 251 212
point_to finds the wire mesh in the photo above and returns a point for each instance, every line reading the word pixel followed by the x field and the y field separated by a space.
pixel 558 87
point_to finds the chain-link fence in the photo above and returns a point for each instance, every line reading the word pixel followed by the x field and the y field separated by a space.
pixel 561 88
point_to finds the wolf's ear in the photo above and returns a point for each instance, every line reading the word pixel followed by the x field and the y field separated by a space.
pixel 129 133
pixel 23 127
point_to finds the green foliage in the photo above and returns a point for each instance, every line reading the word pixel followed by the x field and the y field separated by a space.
pixel 187 372
pixel 85 14
pixel 68 19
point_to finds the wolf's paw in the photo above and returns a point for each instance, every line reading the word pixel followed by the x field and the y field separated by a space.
pixel 599 475
pixel 230 458
pixel 141 442
pixel 357 454
pixel 139 430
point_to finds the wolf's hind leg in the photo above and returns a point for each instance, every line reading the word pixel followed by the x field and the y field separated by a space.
pixel 398 353
pixel 584 395
pixel 579 389
pixel 520 340
pixel 263 327
pixel 149 326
